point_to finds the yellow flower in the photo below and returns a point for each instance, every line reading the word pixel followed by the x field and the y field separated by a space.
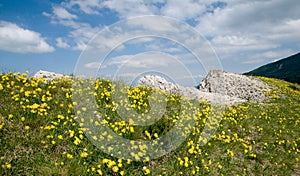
pixel 1 126
pixel 60 137
pixel 146 170
pixel 131 129
pixel 220 166
pixel 8 166
pixel 191 150
pixel 22 119
pixel 1 87
pixel 99 171
pixel 181 162
pixel 115 169
pixel 27 128
pixel 71 133
pixel 186 164
pixel 84 154
pixel 122 172
pixel 69 156
pixel 230 153
pixel 148 134
pixel 10 116
pixel 77 141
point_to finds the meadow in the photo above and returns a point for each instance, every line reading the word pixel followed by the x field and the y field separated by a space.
pixel 44 132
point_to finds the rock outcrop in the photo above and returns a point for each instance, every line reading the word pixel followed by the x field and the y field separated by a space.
pixel 48 75
pixel 235 85
pixel 160 83
pixel 218 87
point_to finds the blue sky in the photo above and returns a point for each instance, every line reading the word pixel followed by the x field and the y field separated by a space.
pixel 52 35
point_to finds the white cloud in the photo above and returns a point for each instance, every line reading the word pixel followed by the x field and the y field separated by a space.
pixel 239 30
pixel 131 8
pixel 83 35
pixel 155 24
pixel 19 40
pixel 268 56
pixel 163 48
pixel 46 14
pixel 183 9
pixel 93 65
pixel 62 13
pixel 142 60
pixel 87 6
pixel 80 33
pixel 248 32
pixel 61 43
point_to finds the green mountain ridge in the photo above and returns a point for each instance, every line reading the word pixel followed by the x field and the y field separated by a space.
pixel 287 69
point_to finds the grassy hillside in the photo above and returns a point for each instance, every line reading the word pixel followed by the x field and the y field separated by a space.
pixel 287 69
pixel 41 135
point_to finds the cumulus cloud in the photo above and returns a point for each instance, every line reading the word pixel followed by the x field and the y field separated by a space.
pixel 61 43
pixel 62 13
pixel 183 9
pixel 248 31
pixel 83 35
pixel 80 33
pixel 129 8
pixel 237 30
pixel 14 38
pixel 87 6
pixel 268 56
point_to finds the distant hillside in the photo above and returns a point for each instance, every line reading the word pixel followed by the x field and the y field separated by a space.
pixel 287 69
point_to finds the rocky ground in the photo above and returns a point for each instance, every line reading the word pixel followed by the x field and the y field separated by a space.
pixel 218 87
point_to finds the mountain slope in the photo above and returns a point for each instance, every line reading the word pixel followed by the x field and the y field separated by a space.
pixel 287 69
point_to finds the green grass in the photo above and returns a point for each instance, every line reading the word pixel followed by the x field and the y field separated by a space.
pixel 42 134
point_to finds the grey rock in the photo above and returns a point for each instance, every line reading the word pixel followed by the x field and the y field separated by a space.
pixel 235 85
pixel 160 83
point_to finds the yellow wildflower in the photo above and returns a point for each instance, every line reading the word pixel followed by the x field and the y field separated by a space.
pixel 146 170
pixel 99 171
pixel 84 154
pixel 69 156
pixel 220 166
pixel 8 165
pixel 1 126
pixel 60 137
pixel 115 169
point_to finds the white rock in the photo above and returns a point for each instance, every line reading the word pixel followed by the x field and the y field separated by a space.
pixel 48 75
pixel 235 85
pixel 160 83
pixel 214 98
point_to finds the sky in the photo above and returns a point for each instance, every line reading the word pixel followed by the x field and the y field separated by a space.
pixel 130 38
